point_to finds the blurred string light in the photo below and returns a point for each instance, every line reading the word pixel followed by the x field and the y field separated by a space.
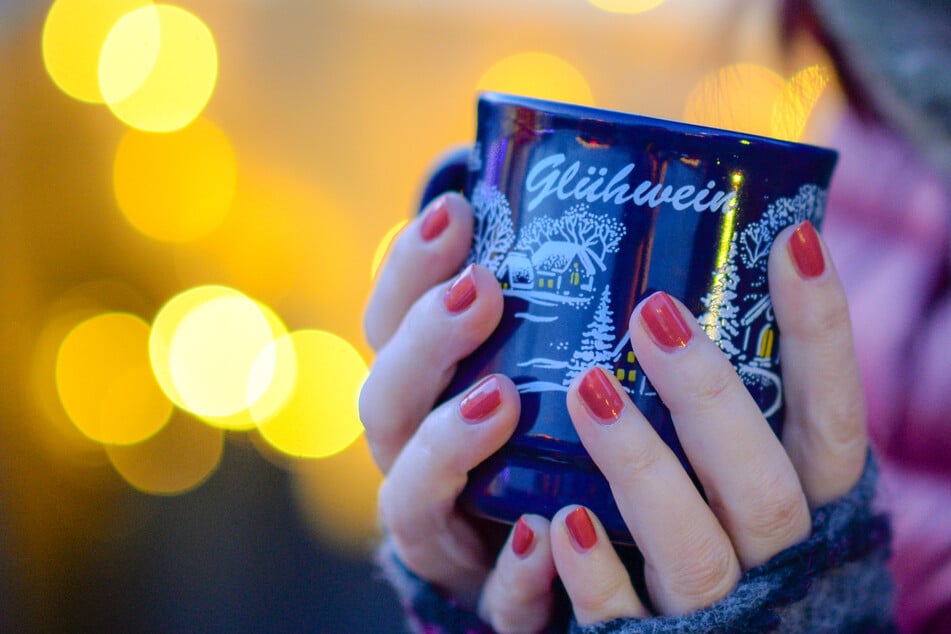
pixel 154 65
pixel 626 6
pixel 175 187
pixel 105 381
pixel 797 101
pixel 177 459
pixel 384 246
pixel 73 34
pixel 537 74
pixel 756 100
pixel 320 418
pixel 212 352
pixel 58 434
pixel 158 68
pixel 738 97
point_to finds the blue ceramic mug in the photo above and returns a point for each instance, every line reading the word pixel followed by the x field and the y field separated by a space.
pixel 581 213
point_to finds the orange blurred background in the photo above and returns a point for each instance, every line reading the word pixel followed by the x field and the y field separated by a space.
pixel 194 197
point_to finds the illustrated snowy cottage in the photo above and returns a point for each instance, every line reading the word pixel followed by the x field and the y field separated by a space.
pixel 763 349
pixel 557 266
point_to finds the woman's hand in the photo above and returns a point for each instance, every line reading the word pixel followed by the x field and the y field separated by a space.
pixel 759 490
pixel 422 319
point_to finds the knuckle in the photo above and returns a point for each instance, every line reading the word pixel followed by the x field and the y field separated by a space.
pixel 828 320
pixel 515 608
pixel 601 594
pixel 707 572
pixel 714 387
pixel 844 422
pixel 780 516
pixel 641 463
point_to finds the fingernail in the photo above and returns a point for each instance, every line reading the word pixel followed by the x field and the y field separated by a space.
pixel 806 251
pixel 522 538
pixel 599 397
pixel 436 220
pixel 461 293
pixel 664 323
pixel 581 530
pixel 481 400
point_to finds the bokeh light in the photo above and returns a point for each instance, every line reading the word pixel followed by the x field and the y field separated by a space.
pixel 158 68
pixel 271 380
pixel 338 496
pixel 320 418
pixel 738 97
pixel 538 74
pixel 177 459
pixel 797 101
pixel 175 187
pixel 212 353
pixel 384 246
pixel 626 6
pixel 73 36
pixel 105 381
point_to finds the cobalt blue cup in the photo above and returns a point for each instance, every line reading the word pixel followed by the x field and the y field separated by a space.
pixel 581 213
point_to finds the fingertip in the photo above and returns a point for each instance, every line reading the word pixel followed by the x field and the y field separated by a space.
pixel 518 594
pixel 596 581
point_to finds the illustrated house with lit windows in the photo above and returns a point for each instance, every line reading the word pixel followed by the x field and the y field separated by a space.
pixel 622 361
pixel 762 350
pixel 557 266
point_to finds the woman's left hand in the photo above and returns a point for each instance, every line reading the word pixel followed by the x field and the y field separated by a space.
pixel 759 489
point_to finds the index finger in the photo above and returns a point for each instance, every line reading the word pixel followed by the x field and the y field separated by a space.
pixel 429 250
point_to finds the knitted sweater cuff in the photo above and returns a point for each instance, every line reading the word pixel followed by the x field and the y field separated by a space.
pixel 836 581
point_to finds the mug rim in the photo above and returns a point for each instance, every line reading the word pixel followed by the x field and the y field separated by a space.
pixel 629 119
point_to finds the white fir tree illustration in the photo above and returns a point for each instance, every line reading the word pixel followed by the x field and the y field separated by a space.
pixel 721 321
pixel 493 233
pixel 598 340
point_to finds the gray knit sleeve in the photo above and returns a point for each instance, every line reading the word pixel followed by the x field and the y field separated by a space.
pixel 836 581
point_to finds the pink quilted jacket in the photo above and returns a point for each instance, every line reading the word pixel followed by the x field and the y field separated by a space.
pixel 889 230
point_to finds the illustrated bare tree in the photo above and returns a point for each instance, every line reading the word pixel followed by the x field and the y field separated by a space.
pixel 598 235
pixel 757 239
pixel 598 340
pixel 493 233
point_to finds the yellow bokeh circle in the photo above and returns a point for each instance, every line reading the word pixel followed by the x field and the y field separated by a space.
pixel 105 381
pixel 626 6
pixel 176 187
pixel 321 417
pixel 739 97
pixel 158 68
pixel 73 36
pixel 384 246
pixel 540 75
pixel 213 353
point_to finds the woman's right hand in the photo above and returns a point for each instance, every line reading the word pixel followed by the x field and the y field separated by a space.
pixel 423 317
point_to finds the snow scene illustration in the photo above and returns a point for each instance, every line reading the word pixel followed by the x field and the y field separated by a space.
pixel 556 264
pixel 743 326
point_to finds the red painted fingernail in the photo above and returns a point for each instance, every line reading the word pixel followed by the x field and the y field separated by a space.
pixel 436 220
pixel 599 396
pixel 806 251
pixel 581 530
pixel 665 324
pixel 461 293
pixel 522 538
pixel 481 400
